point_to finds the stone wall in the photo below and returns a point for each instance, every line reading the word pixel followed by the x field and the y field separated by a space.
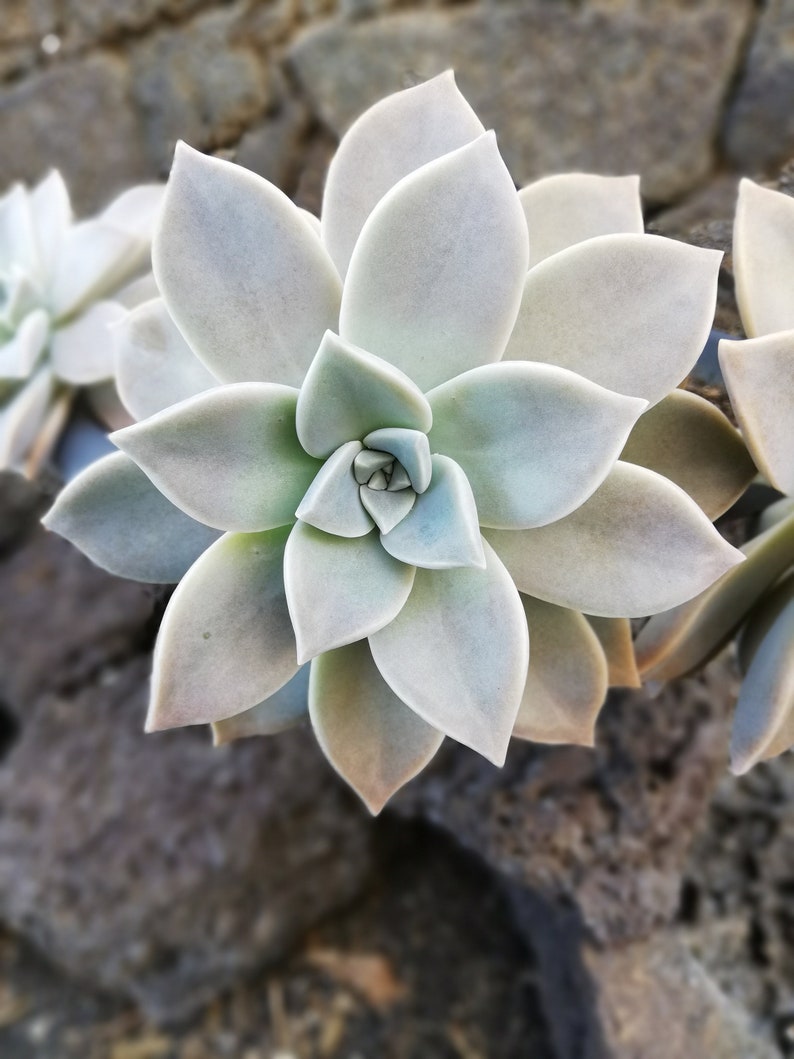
pixel 678 91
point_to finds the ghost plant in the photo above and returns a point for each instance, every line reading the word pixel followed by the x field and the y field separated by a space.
pixel 409 440
pixel 61 285
pixel 755 599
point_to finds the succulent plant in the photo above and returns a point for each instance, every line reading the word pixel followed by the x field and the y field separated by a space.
pixel 756 599
pixel 410 442
pixel 61 285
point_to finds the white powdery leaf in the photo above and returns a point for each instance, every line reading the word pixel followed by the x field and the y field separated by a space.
pixel 373 740
pixel 763 259
pixel 394 137
pixel 340 589
pixel 638 546
pixel 155 367
pixel 435 279
pixel 228 457
pixel 567 677
pixel 568 208
pixel 631 312
pixel 535 441
pixel 225 642
pixel 457 654
pixel 759 376
pixel 113 513
pixel 245 278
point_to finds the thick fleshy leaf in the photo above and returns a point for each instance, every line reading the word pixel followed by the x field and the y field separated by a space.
pixel 228 457
pixel 332 502
pixel 778 511
pixel 18 298
pixel 435 279
pixel 225 642
pixel 387 508
pixel 763 259
pixel 673 644
pixel 155 367
pixel 21 418
pixel 18 356
pixel 94 260
pixel 113 513
pixel 761 619
pixel 534 440
pixel 410 447
pixel 373 740
pixel 759 375
pixel 136 210
pixel 82 351
pixel 631 312
pixel 390 140
pixel 766 700
pixel 311 220
pixel 638 546
pixel 566 680
pixel 52 215
pixel 340 589
pixel 568 208
pixel 348 393
pixel 137 291
pixel 441 530
pixel 457 654
pixel 288 707
pixel 18 242
pixel 247 281
pixel 615 637
pixel 688 440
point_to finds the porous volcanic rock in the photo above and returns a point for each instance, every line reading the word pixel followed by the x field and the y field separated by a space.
pixel 609 86
pixel 63 619
pixel 606 830
pixel 158 866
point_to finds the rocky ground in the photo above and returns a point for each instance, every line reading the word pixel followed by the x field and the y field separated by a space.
pixel 164 900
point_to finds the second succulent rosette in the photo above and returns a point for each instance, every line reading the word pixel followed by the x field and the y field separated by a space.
pixel 408 439
pixel 754 602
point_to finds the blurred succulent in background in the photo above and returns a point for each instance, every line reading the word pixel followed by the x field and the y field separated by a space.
pixel 755 599
pixel 410 441
pixel 61 285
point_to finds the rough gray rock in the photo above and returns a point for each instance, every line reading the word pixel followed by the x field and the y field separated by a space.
pixel 609 86
pixel 62 620
pixel 759 126
pixel 161 867
pixel 605 830
pixel 738 884
pixel 75 116
pixel 203 83
pixel 655 1000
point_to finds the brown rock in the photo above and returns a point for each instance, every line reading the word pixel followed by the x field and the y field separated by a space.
pixel 609 86
pixel 77 117
pixel 655 1000
pixel 203 83
pixel 62 620
pixel 738 884
pixel 161 867
pixel 607 830
pixel 759 126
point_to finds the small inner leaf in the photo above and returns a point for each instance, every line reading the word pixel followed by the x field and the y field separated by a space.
pixel 387 508
pixel 367 462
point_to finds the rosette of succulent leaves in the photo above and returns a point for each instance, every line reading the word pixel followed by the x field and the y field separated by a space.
pixel 756 599
pixel 62 284
pixel 406 424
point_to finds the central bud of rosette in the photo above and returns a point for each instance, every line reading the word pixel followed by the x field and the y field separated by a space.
pixel 369 482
